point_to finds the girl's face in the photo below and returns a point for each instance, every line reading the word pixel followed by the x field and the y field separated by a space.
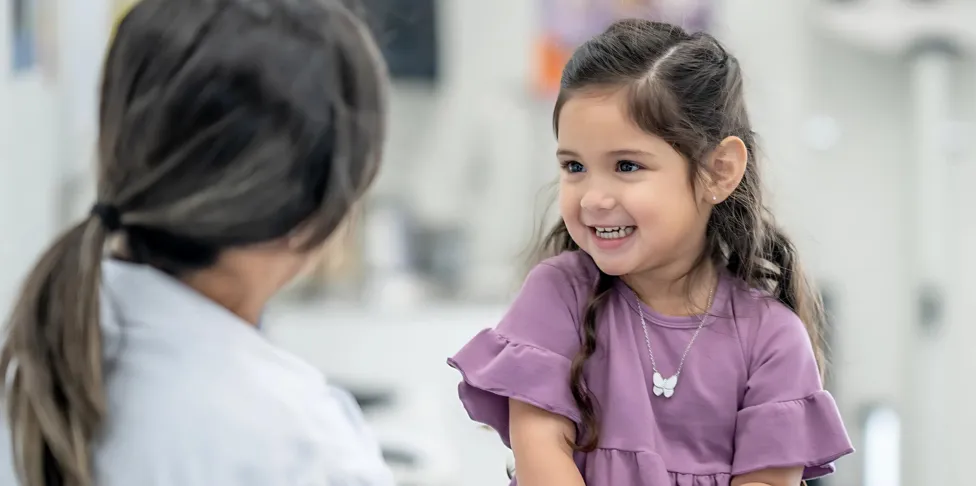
pixel 625 195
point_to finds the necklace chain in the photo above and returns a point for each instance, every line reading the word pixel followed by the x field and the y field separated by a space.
pixel 647 338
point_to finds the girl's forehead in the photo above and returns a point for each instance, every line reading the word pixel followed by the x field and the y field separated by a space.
pixel 589 113
pixel 601 123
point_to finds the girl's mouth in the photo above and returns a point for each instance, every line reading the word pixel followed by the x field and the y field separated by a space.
pixel 611 237
pixel 613 232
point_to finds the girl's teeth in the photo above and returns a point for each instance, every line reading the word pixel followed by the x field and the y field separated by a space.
pixel 614 232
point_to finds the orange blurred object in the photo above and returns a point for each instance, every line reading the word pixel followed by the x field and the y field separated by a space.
pixel 550 59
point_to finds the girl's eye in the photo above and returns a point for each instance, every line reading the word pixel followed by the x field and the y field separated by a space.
pixel 572 166
pixel 627 166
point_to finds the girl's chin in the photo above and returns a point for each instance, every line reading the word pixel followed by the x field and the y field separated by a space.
pixel 614 266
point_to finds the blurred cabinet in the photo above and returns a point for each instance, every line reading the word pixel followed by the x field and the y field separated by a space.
pixel 407 32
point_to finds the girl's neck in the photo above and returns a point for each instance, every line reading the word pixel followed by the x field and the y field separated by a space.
pixel 675 291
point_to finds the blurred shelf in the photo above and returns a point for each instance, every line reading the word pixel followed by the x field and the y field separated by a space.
pixel 895 28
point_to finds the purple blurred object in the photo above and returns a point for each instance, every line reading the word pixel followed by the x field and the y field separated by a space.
pixel 572 22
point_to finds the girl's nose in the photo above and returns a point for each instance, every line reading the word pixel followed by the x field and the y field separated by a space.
pixel 596 201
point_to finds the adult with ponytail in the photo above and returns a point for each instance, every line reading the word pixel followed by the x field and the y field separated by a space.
pixel 234 138
pixel 669 336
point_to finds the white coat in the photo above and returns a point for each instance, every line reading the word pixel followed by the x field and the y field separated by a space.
pixel 197 397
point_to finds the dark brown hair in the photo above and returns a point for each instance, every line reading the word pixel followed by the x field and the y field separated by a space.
pixel 686 89
pixel 222 123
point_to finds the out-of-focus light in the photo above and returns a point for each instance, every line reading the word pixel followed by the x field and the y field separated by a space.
pixel 882 448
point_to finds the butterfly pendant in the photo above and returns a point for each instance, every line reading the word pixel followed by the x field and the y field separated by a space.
pixel 664 387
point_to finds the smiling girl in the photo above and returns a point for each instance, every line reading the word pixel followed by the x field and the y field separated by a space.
pixel 673 338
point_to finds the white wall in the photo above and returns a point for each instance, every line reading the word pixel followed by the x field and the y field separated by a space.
pixel 886 357
pixel 83 29
pixel 471 155
pixel 28 148
pixel 955 423
pixel 855 199
pixel 46 137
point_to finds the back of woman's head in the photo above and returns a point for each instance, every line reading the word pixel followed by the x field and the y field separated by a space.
pixel 223 123
pixel 688 90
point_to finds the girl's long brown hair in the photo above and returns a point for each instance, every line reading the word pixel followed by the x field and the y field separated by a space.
pixel 687 89
pixel 221 124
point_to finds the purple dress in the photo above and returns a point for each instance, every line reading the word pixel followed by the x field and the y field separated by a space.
pixel 749 398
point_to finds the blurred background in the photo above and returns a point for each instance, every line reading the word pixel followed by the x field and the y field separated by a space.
pixel 866 109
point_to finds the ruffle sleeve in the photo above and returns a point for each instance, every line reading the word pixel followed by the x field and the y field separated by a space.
pixel 494 369
pixel 806 432
pixel 787 419
pixel 527 356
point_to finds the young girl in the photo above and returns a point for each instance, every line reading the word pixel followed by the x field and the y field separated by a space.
pixel 664 343
pixel 234 137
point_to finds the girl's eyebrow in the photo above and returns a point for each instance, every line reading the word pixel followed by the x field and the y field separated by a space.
pixel 630 153
pixel 566 153
pixel 615 153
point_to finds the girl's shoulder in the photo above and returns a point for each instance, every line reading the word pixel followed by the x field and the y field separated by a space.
pixel 572 274
pixel 548 308
pixel 765 326
pixel 571 266
pixel 752 308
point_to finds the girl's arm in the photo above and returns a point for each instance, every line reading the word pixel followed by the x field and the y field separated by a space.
pixel 787 476
pixel 541 443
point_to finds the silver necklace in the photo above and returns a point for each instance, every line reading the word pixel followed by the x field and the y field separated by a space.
pixel 665 387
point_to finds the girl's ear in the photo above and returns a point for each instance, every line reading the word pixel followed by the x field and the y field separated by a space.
pixel 726 166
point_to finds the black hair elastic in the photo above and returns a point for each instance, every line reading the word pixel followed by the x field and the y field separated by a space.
pixel 109 215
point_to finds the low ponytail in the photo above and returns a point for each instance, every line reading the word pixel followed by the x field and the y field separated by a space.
pixel 794 289
pixel 743 234
pixel 52 360
pixel 557 241
pixel 586 402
